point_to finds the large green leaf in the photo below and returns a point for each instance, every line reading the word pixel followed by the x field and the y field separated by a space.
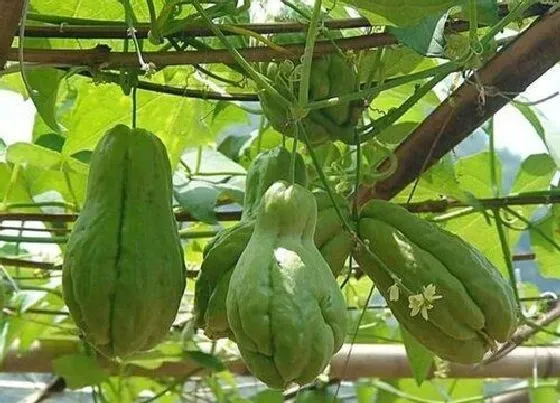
pixel 44 90
pixel 92 9
pixel 400 12
pixel 420 358
pixel 13 188
pixel 178 121
pixel 473 173
pixel 395 62
pixel 394 98
pixel 535 173
pixel 425 37
pixel 439 180
pixel 486 11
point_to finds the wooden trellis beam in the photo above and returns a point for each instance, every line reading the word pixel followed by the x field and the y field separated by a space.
pixel 10 15
pixel 509 73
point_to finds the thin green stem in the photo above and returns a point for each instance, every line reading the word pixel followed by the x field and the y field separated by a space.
pixel 255 76
pixel 493 172
pixel 262 127
pixel 153 16
pixel 355 335
pixel 533 227
pixel 323 178
pixel 355 216
pixel 512 16
pixel 70 187
pixel 294 157
pixel 473 22
pixel 173 385
pixel 507 253
pixel 198 162
pixel 307 58
pixel 11 184
pixel 395 114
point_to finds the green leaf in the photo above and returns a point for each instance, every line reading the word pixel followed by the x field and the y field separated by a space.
pixel 530 113
pixel 425 37
pixel 211 162
pixel 419 357
pixel 32 154
pixel 486 11
pixel 178 121
pixel 402 12
pixel 51 141
pixel 395 62
pixel 474 229
pixel 234 144
pixel 200 198
pixel 15 192
pixel 535 173
pixel 439 180
pixel 394 98
pixel 79 370
pixel 40 181
pixel 473 173
pixel 545 243
pixel 206 360
pixel 93 9
pixel 44 85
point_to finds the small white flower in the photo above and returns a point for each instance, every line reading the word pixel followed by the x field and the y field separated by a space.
pixel 420 303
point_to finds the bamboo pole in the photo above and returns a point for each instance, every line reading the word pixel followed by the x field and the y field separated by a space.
pixel 388 361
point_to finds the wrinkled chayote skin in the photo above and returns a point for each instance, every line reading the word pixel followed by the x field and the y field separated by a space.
pixel 123 274
pixel 221 254
pixel 477 306
pixel 284 306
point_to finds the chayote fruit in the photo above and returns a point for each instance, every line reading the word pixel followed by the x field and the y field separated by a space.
pixel 123 274
pixel 332 75
pixel 284 306
pixel 471 306
pixel 221 254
